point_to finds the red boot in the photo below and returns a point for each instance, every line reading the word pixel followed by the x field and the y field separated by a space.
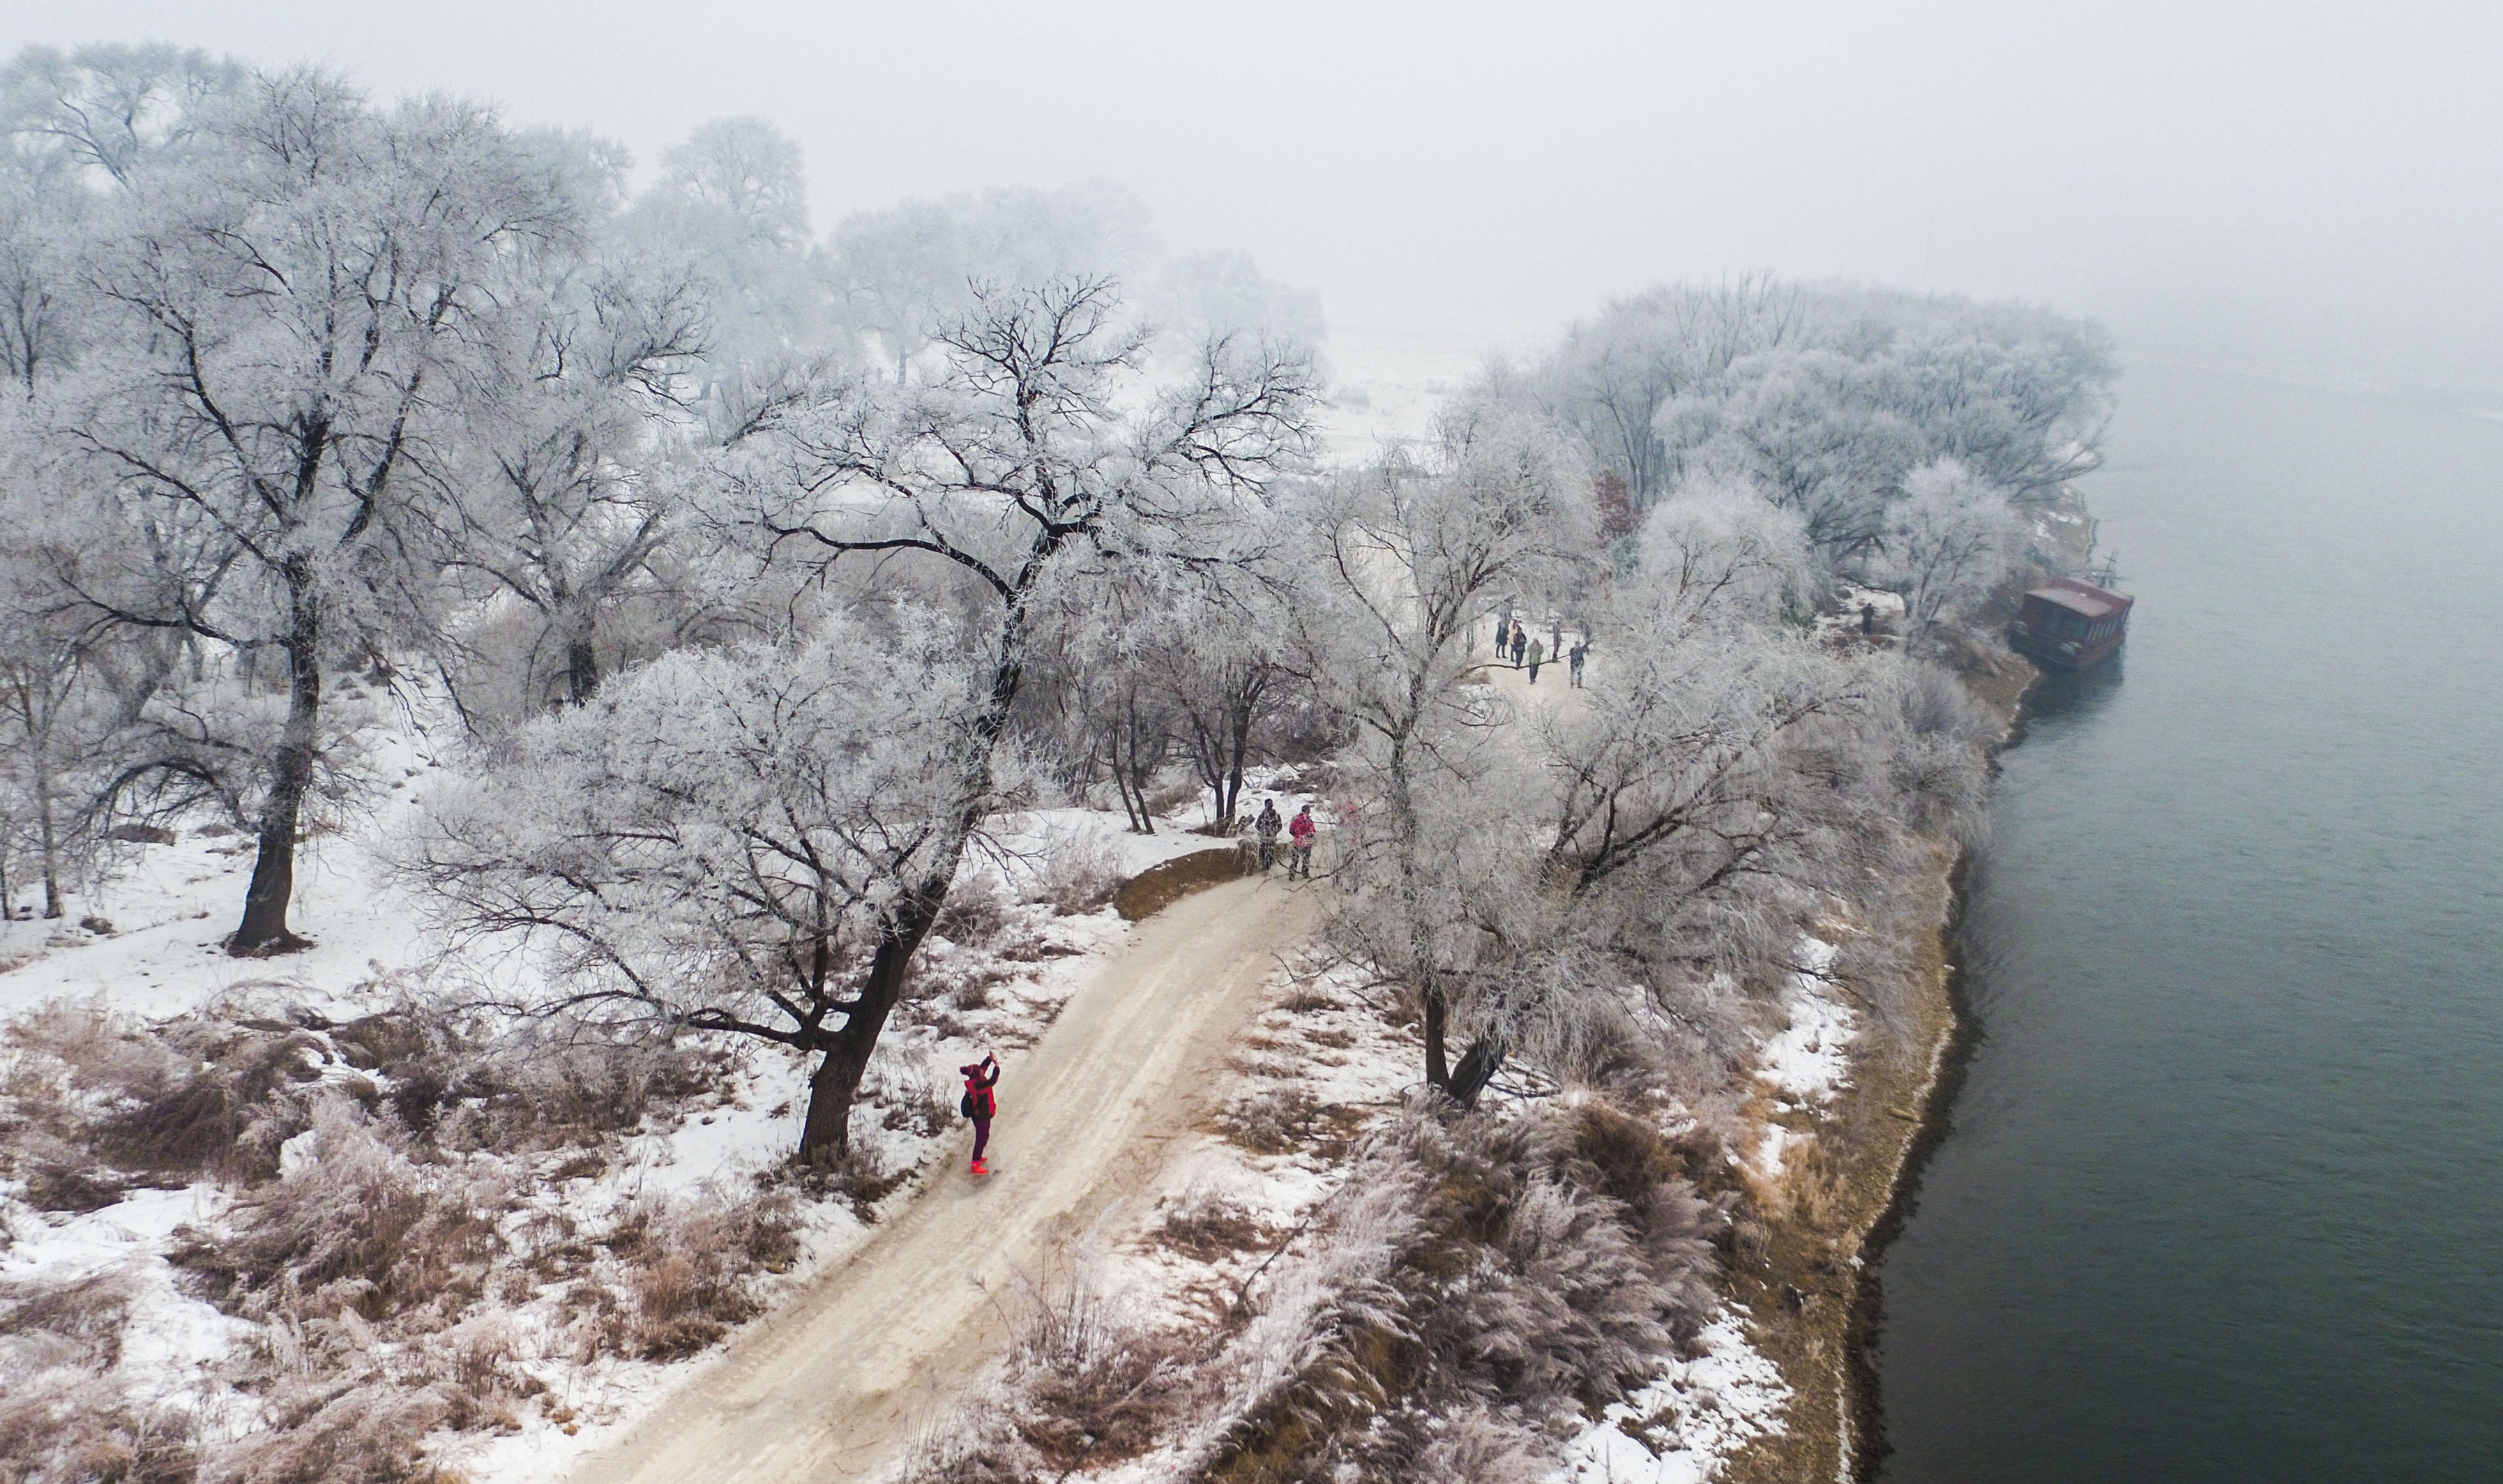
pixel 981 1168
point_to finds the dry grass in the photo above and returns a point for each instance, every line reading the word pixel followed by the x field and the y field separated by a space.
pixel 978 913
pixel 1161 885
pixel 379 1265
pixel 688 1265
pixel 64 1414
pixel 1079 874
pixel 1271 1121
pixel 1534 1268
pixel 362 1228
pixel 340 1434
pixel 1085 1385
pixel 1208 1227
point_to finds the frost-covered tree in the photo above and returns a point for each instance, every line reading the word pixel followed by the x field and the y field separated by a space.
pixel 1613 375
pixel 731 201
pixel 576 487
pixel 41 227
pixel 1826 396
pixel 1200 297
pixel 1949 543
pixel 1818 430
pixel 1036 451
pixel 285 372
pixel 1725 555
pixel 1653 855
pixel 1225 685
pixel 903 274
pixel 1397 569
pixel 724 839
pixel 114 109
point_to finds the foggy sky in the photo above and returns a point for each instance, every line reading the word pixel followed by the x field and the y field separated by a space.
pixel 2248 179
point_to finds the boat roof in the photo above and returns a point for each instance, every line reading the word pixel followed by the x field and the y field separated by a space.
pixel 2083 597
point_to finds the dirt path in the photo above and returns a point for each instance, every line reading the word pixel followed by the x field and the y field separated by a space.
pixel 830 1387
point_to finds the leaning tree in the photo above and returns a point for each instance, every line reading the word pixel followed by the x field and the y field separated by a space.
pixel 1042 450
pixel 712 842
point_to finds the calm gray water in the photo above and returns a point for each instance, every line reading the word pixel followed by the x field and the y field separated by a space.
pixel 2222 1193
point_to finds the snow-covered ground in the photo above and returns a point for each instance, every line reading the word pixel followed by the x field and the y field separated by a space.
pixel 170 905
pixel 1322 1067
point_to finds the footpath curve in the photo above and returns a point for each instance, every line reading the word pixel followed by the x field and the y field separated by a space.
pixel 833 1385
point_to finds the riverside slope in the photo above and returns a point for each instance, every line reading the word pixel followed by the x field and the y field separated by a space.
pixel 834 1385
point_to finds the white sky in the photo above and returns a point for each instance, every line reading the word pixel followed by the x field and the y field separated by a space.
pixel 2227 178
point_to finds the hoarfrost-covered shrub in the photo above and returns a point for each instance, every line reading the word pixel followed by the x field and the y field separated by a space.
pixel 1207 1224
pixel 979 913
pixel 912 1101
pixel 1095 1382
pixel 974 1442
pixel 1523 1271
pixel 334 1432
pixel 1086 1383
pixel 528 1087
pixel 1270 1120
pixel 64 1413
pixel 96 1099
pixel 691 1261
pixel 1077 874
pixel 66 1426
pixel 356 1225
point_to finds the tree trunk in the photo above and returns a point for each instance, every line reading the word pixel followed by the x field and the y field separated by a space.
pixel 1420 937
pixel 1239 744
pixel 45 835
pixel 263 929
pixel 51 865
pixel 581 669
pixel 826 1131
pixel 1140 763
pixel 1438 1071
pixel 1478 1066
pixel 1121 783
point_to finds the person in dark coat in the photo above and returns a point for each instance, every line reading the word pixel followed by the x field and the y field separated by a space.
pixel 981 1103
pixel 1502 633
pixel 1267 827
pixel 1574 657
pixel 1519 642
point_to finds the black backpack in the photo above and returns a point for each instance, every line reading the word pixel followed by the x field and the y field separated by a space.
pixel 965 1105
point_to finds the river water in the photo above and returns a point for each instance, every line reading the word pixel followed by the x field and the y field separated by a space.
pixel 2221 1193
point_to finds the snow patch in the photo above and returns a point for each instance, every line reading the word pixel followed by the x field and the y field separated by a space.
pixel 1808 1062
pixel 1684 1426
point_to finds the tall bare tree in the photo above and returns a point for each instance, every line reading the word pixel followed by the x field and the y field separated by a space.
pixel 293 320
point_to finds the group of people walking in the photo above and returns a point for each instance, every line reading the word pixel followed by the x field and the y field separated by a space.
pixel 1301 833
pixel 1512 636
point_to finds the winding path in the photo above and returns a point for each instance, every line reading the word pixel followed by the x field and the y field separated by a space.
pixel 832 1386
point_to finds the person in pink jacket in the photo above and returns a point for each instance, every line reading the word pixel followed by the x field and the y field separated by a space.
pixel 981 1104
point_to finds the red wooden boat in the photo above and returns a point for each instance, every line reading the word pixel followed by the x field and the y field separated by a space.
pixel 2070 624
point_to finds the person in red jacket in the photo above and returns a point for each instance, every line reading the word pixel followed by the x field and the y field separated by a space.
pixel 981 1104
pixel 1300 832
